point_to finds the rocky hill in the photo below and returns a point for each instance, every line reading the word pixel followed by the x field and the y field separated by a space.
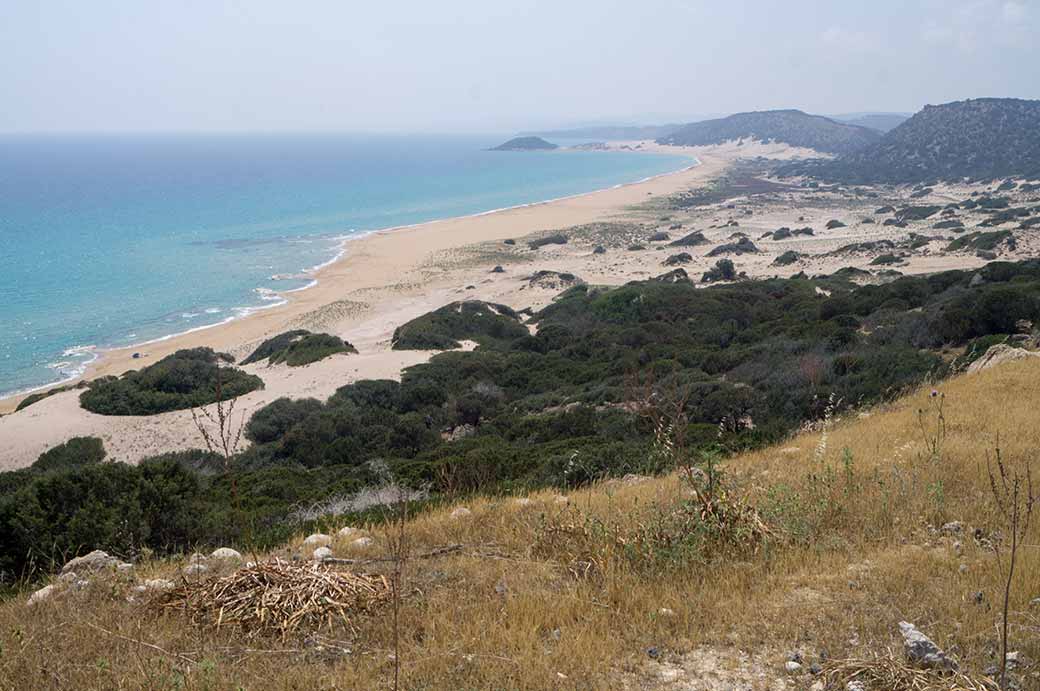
pixel 525 144
pixel 611 133
pixel 790 126
pixel 882 122
pixel 982 139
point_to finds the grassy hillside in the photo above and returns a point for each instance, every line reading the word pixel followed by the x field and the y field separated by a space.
pixel 789 126
pixel 820 544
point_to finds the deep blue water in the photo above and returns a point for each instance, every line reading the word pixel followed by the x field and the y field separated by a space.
pixel 112 240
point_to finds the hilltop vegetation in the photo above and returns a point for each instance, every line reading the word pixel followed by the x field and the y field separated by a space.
pixel 981 139
pixel 789 126
pixel 185 379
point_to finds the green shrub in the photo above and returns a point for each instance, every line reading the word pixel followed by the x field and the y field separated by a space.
pixel 77 452
pixel 185 379
pixel 473 320
pixel 299 347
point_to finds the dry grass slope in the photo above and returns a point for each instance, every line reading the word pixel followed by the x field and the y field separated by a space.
pixel 547 594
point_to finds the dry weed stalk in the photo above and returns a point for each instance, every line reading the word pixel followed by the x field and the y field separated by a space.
pixel 219 431
pixel 1013 497
pixel 278 597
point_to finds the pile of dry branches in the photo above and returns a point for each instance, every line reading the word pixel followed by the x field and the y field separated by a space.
pixel 891 674
pixel 279 597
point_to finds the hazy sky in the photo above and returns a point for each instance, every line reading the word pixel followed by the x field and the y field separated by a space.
pixel 494 65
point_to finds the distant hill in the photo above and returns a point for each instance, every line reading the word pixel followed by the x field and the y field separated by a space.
pixel 609 133
pixel 983 139
pixel 789 126
pixel 882 122
pixel 525 144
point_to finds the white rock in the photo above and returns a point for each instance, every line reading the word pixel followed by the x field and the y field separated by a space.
pixel 666 612
pixel 669 674
pixel 226 553
pixel 560 499
pixel 197 558
pixel 124 567
pixel 157 584
pixel 94 561
pixel 321 554
pixel 195 569
pixel 362 542
pixel 42 594
pixel 817 686
pixel 317 540
pixel 346 532
pixel 792 667
pixel 80 584
pixel 922 650
pixel 855 686
pixel 461 512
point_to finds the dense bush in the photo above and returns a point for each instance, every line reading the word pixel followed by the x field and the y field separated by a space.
pixel 299 347
pixel 472 320
pixel 77 452
pixel 184 379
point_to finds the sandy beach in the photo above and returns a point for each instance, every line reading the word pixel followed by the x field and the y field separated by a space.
pixel 389 277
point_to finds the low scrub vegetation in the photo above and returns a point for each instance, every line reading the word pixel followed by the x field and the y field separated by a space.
pixel 444 328
pixel 185 379
pixel 299 347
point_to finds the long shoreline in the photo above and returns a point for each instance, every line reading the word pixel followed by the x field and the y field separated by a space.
pixel 116 360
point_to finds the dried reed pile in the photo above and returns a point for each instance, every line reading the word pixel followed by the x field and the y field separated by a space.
pixel 891 674
pixel 278 597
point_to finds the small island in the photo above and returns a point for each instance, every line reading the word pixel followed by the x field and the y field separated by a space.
pixel 525 144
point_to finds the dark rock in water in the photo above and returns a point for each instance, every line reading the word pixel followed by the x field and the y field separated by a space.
pixel 766 235
pixel 804 231
pixel 136 356
pixel 525 144
pixel 894 222
pixel 867 221
pixel 834 223
pixel 660 237
pixel 691 240
pixel 943 225
pixel 1007 185
pixel 673 276
pixel 885 210
pixel 782 233
pixel 498 270
pixel 675 226
pixel 510 241
pixel 636 248
pixel 599 249
pixel 742 246
pixel 676 259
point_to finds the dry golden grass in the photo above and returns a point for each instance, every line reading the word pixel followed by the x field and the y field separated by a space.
pixel 528 605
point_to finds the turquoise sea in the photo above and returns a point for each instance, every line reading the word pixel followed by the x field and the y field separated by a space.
pixel 115 240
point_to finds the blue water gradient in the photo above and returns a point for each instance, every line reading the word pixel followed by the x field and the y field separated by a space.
pixel 113 240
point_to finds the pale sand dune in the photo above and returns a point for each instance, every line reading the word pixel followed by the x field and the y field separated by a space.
pixel 392 276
